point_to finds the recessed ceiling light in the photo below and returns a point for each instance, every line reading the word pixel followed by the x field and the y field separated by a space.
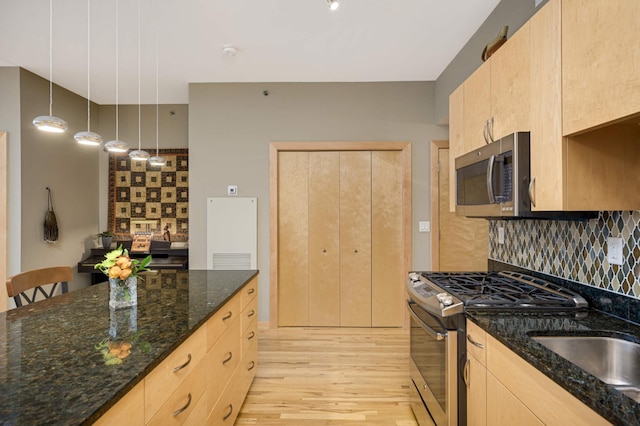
pixel 333 4
pixel 229 50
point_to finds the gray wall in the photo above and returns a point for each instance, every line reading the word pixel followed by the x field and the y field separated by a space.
pixel 508 12
pixel 231 126
pixel 70 170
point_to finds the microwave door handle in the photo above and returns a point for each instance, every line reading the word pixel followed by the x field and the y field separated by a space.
pixel 437 335
pixel 492 197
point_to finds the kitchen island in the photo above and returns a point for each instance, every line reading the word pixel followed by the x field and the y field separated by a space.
pixel 54 366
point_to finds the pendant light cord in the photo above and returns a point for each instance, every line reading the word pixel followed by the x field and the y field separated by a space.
pixel 88 65
pixel 139 106
pixel 51 58
pixel 117 68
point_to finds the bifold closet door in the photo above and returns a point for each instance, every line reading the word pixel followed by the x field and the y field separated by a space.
pixel 386 238
pixel 355 238
pixel 293 238
pixel 324 248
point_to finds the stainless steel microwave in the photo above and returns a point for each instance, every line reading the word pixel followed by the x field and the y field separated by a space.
pixel 495 182
pixel 490 180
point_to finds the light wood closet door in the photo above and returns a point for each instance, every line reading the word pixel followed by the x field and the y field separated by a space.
pixel 324 248
pixel 293 248
pixel 386 239
pixel 355 239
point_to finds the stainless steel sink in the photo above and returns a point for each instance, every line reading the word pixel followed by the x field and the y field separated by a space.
pixel 613 360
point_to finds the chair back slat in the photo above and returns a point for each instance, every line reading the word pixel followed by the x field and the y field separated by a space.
pixel 18 284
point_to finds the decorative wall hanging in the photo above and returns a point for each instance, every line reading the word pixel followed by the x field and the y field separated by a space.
pixel 146 198
pixel 50 222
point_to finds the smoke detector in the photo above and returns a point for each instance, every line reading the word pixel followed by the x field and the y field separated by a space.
pixel 229 50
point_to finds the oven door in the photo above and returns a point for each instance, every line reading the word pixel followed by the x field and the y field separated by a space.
pixel 433 368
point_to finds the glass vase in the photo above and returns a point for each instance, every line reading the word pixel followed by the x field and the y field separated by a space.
pixel 123 294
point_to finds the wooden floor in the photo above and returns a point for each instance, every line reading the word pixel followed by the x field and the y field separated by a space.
pixel 330 376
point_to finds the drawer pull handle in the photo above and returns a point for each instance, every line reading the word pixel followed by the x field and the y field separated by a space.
pixel 253 364
pixel 226 317
pixel 251 291
pixel 252 335
pixel 473 342
pixel 229 413
pixel 180 410
pixel 251 313
pixel 180 367
pixel 228 359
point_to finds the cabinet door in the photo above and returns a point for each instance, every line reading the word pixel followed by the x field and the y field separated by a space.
pixel 600 57
pixel 129 410
pixel 477 106
pixel 456 139
pixel 510 86
pixel 547 150
pixel 503 408
pixel 387 263
pixel 355 239
pixel 324 249
pixel 476 376
pixel 293 228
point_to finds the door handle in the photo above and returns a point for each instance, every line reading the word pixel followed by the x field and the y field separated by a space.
pixel 532 195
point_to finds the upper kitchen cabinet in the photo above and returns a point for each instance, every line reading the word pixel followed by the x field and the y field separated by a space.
pixel 600 62
pixel 476 108
pixel 456 139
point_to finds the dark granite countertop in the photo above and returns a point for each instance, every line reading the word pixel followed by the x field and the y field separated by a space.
pixel 51 368
pixel 514 330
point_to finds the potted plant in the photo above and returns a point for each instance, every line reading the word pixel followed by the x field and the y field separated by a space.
pixel 107 238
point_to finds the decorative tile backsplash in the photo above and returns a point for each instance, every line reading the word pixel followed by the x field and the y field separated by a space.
pixel 573 250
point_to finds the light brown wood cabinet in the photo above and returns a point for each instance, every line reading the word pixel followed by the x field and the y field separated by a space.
pixel 600 57
pixel 205 380
pixel 504 389
pixel 567 84
pixel 340 238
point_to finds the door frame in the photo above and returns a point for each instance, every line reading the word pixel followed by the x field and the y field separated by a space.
pixel 436 145
pixel 276 147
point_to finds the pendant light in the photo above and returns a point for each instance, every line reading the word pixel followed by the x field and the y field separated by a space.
pixel 139 154
pixel 333 4
pixel 88 137
pixel 157 160
pixel 49 123
pixel 116 145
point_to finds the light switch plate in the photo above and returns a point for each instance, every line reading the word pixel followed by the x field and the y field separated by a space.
pixel 424 226
pixel 614 250
pixel 500 235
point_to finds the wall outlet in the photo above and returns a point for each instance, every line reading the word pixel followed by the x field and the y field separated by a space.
pixel 500 235
pixel 424 226
pixel 614 250
pixel 232 190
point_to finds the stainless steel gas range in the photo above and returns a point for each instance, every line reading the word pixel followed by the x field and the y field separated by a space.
pixel 437 302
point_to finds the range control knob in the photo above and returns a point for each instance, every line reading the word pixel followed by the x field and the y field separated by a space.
pixel 445 299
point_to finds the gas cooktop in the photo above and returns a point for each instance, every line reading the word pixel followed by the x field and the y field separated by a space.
pixel 496 290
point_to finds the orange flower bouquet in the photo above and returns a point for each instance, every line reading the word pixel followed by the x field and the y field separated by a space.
pixel 123 276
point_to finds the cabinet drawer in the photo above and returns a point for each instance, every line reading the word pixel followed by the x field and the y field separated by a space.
pixel 249 364
pixel 249 313
pixel 249 337
pixel 183 400
pixel 222 320
pixel 128 411
pixel 249 292
pixel 198 416
pixel 226 410
pixel 222 360
pixel 477 342
pixel 166 377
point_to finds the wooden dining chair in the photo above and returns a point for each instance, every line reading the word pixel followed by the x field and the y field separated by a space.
pixel 19 284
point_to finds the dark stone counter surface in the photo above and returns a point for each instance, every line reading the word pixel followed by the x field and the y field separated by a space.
pixel 52 370
pixel 514 331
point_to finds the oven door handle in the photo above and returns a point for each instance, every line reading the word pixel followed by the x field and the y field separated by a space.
pixel 436 334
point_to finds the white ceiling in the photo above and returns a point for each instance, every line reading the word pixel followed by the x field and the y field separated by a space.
pixel 276 41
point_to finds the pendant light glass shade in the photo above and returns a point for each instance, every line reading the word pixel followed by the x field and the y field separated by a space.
pixel 139 154
pixel 49 123
pixel 88 137
pixel 116 145
pixel 157 160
